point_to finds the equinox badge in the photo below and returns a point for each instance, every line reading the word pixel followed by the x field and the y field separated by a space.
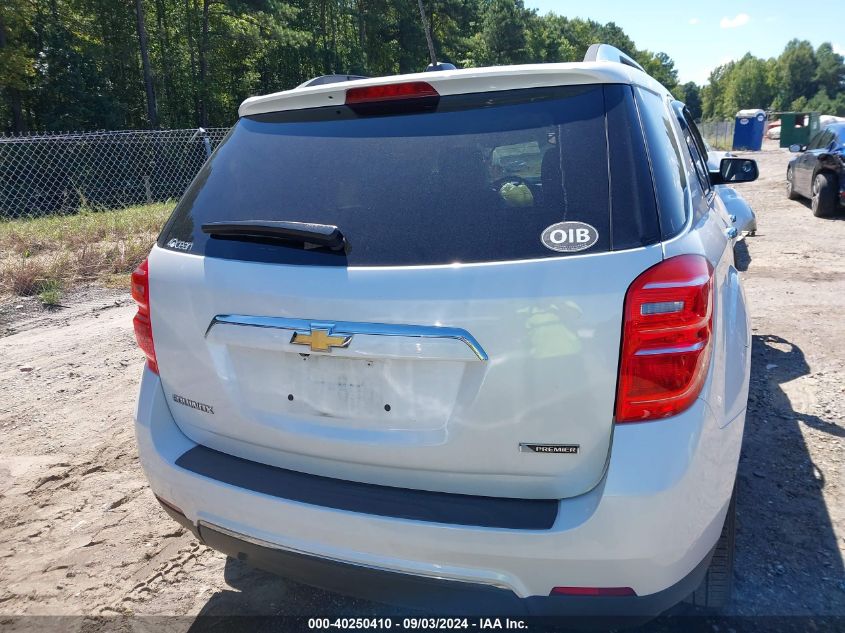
pixel 320 338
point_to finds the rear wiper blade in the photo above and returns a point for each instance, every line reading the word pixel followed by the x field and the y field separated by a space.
pixel 304 233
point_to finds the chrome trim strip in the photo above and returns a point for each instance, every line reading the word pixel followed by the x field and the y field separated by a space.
pixel 352 328
pixel 670 350
pixel 697 281
pixel 269 545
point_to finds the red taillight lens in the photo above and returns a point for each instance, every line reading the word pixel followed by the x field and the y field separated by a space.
pixel 665 339
pixel 143 327
pixel 390 92
pixel 592 591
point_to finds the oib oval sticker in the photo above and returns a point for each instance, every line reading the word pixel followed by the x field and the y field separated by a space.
pixel 569 237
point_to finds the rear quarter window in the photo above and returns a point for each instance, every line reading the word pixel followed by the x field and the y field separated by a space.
pixel 476 180
pixel 667 164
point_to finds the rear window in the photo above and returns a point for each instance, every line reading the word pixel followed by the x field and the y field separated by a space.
pixel 666 162
pixel 477 179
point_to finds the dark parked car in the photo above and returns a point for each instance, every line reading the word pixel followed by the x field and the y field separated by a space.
pixel 818 172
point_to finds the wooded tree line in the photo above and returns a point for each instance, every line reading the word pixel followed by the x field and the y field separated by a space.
pixel 800 78
pixel 116 64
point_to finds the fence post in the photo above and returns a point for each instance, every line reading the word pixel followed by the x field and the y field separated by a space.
pixel 206 141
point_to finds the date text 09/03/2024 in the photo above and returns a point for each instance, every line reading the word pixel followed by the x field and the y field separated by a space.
pixel 430 623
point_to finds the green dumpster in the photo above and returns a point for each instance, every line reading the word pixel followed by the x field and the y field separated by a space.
pixel 798 127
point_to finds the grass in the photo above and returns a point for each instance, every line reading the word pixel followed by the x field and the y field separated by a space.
pixel 50 293
pixel 44 256
pixel 720 144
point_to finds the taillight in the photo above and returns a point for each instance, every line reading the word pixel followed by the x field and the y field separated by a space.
pixel 665 339
pixel 143 327
pixel 390 92
pixel 411 96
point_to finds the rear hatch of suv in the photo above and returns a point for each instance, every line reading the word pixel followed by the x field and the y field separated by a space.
pixel 385 293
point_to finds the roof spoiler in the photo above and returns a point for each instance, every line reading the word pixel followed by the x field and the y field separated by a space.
pixel 330 79
pixel 608 53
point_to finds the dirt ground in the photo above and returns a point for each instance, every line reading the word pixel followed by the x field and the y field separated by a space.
pixel 80 533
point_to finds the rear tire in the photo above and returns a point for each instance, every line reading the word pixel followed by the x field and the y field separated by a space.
pixel 790 186
pixel 824 195
pixel 715 590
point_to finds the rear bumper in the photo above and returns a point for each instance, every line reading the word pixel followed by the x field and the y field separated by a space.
pixel 649 525
pixel 448 597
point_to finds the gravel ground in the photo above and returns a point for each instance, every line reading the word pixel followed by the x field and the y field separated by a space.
pixel 80 533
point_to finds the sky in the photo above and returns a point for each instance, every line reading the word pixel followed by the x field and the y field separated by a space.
pixel 699 36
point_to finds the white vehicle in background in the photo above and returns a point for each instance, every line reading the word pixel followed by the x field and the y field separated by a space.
pixel 471 340
pixel 829 119
pixel 739 211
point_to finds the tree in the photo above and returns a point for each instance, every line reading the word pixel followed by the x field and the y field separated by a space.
pixel 830 70
pixel 452 23
pixel 16 66
pixel 103 64
pixel 611 33
pixel 712 96
pixel 661 67
pixel 747 86
pixel 796 70
pixel 690 94
pixel 503 25
pixel 798 79
pixel 203 59
pixel 152 111
pixel 85 67
pixel 94 64
pixel 823 103
pixel 548 39
pixel 189 34
pixel 410 37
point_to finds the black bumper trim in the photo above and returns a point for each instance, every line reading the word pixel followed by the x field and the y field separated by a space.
pixel 177 515
pixel 387 501
pixel 446 597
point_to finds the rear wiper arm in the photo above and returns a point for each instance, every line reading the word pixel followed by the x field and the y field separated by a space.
pixel 304 233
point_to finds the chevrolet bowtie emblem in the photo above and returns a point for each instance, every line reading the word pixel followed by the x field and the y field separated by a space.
pixel 320 339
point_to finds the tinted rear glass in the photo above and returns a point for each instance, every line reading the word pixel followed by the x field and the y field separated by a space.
pixel 666 162
pixel 477 179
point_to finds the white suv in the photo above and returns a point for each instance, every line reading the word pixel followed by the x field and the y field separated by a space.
pixel 468 338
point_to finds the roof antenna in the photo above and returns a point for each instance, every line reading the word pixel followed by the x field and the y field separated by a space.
pixel 434 65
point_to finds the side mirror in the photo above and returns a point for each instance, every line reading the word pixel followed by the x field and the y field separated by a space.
pixel 795 148
pixel 735 170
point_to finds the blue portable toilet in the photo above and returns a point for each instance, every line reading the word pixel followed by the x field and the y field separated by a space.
pixel 749 128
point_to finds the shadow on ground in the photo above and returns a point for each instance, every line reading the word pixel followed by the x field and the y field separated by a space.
pixel 840 215
pixel 742 257
pixel 797 568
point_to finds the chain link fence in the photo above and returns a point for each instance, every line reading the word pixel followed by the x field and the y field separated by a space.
pixel 61 173
pixel 718 134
